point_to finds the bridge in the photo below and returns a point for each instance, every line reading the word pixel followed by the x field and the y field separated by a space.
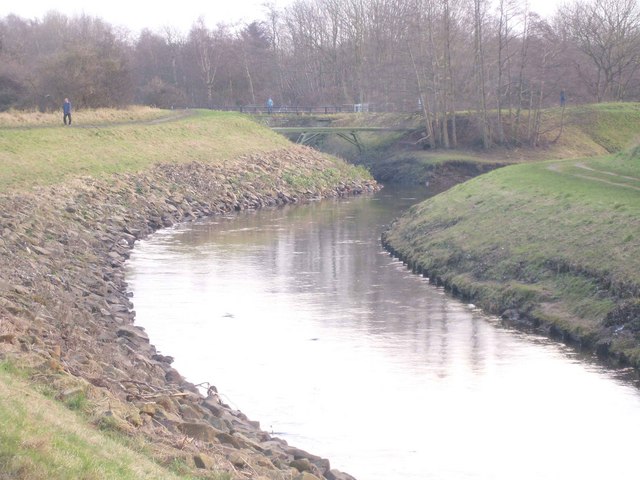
pixel 306 135
pixel 306 109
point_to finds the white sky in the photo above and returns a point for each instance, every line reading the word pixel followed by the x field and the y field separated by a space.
pixel 179 14
pixel 138 14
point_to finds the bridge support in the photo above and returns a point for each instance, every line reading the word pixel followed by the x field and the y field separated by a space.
pixel 352 138
pixel 306 138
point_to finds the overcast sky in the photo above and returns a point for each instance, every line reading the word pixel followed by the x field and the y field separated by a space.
pixel 180 14
pixel 139 14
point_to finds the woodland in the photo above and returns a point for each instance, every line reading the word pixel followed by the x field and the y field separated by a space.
pixel 497 61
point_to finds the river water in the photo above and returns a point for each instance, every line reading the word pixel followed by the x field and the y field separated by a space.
pixel 304 323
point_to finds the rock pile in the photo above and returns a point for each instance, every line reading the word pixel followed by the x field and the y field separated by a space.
pixel 65 311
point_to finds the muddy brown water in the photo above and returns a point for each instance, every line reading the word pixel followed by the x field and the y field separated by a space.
pixel 304 323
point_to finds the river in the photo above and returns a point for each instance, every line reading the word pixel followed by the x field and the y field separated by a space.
pixel 304 323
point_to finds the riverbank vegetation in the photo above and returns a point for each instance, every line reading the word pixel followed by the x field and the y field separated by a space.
pixel 46 439
pixel 551 244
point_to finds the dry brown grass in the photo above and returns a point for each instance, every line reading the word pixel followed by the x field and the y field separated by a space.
pixel 33 118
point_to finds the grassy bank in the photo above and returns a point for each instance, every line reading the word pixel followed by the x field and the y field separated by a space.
pixel 103 144
pixel 552 243
pixel 612 127
pixel 44 439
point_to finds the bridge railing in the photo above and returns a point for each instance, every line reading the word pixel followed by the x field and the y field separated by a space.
pixel 258 109
pixel 299 110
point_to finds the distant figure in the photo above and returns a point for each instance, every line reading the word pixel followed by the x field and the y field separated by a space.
pixel 66 109
pixel 269 106
pixel 563 100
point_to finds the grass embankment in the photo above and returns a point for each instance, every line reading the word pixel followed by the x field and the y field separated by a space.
pixel 610 127
pixel 100 144
pixel 44 439
pixel 554 243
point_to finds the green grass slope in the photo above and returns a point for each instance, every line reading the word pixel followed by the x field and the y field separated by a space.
pixel 41 439
pixel 610 126
pixel 41 154
pixel 558 242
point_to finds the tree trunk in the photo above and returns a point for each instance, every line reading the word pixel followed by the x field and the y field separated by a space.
pixel 450 84
pixel 480 74
pixel 251 90
pixel 423 102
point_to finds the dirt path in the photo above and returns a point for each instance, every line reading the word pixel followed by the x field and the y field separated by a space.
pixel 613 175
pixel 173 116
pixel 585 167
pixel 601 180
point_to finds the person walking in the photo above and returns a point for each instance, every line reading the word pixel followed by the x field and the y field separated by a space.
pixel 270 106
pixel 66 110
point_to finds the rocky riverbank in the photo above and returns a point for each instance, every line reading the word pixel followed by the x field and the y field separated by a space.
pixel 66 316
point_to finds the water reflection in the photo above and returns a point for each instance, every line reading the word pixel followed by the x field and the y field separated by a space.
pixel 304 323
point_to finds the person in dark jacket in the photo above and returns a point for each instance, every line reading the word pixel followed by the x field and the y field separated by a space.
pixel 66 109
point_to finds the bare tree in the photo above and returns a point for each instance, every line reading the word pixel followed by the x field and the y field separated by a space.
pixel 507 11
pixel 479 10
pixel 275 27
pixel 207 51
pixel 607 32
pixel 453 55
pixel 449 20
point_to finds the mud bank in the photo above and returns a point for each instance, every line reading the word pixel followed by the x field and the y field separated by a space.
pixel 437 177
pixel 65 312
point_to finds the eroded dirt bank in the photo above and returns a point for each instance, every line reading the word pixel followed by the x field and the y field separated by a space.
pixel 65 312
